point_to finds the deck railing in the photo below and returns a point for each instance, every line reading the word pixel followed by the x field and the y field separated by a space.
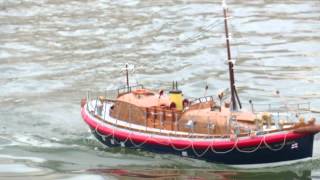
pixel 169 120
pixel 126 89
pixel 298 107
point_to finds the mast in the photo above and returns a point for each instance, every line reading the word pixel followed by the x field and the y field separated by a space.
pixel 230 63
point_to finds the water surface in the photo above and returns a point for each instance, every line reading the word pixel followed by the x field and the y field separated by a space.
pixel 53 51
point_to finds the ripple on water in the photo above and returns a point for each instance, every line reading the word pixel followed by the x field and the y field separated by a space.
pixel 52 51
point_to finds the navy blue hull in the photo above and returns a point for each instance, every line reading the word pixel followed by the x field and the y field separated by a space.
pixel 282 151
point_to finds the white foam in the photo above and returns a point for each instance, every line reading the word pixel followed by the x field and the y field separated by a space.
pixel 269 165
pixel 17 168
pixel 33 159
pixel 8 143
pixel 316 147
pixel 29 140
pixel 85 177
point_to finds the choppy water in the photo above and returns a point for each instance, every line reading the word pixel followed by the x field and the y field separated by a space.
pixel 53 51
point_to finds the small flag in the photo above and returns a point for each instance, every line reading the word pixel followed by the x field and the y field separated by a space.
pixel 294 146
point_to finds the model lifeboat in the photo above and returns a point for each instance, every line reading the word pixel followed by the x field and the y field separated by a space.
pixel 210 128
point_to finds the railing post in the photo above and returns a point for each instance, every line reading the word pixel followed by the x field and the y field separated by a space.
pixel 154 117
pixel 88 100
pixel 161 121
pixel 95 107
pixel 208 128
pixel 104 105
pixel 146 120
pixel 176 119
pixel 251 104
pixel 228 127
pixel 173 120
pixel 164 117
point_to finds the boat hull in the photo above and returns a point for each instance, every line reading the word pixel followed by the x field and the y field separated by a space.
pixel 294 146
pixel 262 155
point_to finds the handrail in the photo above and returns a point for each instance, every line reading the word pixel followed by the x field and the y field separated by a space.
pixel 280 107
pixel 126 89
pixel 159 113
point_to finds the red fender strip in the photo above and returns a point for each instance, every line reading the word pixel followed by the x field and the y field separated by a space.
pixel 182 143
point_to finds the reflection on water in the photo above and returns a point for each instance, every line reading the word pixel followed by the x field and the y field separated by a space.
pixel 53 51
pixel 197 174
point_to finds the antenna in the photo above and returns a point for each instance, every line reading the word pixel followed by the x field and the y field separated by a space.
pixel 127 76
pixel 224 4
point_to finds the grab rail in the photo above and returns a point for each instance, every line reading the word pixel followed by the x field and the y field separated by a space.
pixel 126 89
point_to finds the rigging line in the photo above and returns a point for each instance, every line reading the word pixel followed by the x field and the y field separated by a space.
pixel 210 26
pixel 193 37
pixel 204 29
pixel 263 67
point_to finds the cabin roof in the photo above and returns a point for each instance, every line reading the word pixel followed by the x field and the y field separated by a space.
pixel 150 99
